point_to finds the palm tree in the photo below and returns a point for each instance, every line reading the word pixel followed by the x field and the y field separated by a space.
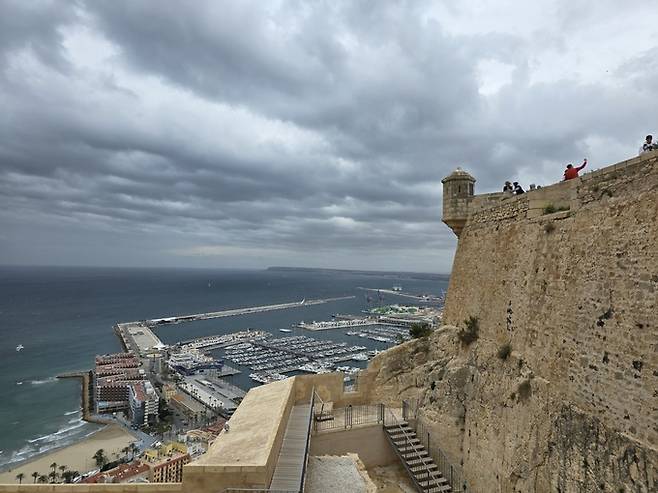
pixel 125 451
pixel 20 477
pixel 53 476
pixel 69 476
pixel 43 479
pixel 35 475
pixel 100 458
pixel 63 468
pixel 54 473
pixel 133 448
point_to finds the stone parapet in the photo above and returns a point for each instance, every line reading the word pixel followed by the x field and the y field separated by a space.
pixel 92 488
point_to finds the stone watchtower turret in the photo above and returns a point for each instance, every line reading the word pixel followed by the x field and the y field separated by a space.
pixel 458 190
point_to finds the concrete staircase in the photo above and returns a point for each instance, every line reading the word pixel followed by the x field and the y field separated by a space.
pixel 417 461
pixel 289 471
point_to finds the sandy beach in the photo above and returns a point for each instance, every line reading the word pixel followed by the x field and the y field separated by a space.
pixel 77 457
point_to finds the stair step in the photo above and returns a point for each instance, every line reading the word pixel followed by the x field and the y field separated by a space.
pixel 409 448
pixel 432 485
pixel 413 455
pixel 400 442
pixel 424 467
pixel 397 433
pixel 419 461
pixel 438 489
pixel 398 426
pixel 437 479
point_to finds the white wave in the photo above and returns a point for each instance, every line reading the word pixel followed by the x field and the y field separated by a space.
pixel 61 438
pixel 74 420
pixel 61 433
pixel 19 383
pixel 41 382
pixel 72 412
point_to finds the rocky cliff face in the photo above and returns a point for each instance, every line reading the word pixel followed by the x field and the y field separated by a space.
pixel 559 393
pixel 508 428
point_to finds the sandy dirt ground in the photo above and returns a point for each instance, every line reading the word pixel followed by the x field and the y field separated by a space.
pixel 331 474
pixel 78 457
pixel 391 479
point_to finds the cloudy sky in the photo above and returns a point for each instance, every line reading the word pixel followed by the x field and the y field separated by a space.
pixel 309 133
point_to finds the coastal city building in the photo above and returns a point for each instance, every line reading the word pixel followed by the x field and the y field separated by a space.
pixel 120 385
pixel 143 403
pixel 166 462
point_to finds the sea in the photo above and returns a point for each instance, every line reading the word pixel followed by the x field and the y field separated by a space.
pixel 63 317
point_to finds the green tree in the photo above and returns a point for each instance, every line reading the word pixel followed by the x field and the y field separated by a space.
pixel 20 477
pixel 42 479
pixel 35 475
pixel 419 329
pixel 69 476
pixel 100 457
pixel 53 474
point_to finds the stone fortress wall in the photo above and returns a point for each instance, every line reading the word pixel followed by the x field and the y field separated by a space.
pixel 574 294
pixel 576 289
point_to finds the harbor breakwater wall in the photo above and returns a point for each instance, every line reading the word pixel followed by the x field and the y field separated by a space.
pixel 559 393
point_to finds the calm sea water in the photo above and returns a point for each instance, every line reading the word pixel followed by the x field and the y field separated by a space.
pixel 64 317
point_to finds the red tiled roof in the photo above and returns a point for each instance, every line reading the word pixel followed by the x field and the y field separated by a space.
pixel 119 474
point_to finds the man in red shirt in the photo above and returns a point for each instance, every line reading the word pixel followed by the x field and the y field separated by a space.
pixel 570 173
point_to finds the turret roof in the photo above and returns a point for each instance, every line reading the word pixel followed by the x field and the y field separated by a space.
pixel 459 174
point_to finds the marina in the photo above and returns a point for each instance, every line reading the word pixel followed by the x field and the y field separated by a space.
pixel 339 324
pixel 383 333
pixel 272 359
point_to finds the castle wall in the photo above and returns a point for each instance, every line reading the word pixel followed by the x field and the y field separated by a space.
pixel 575 295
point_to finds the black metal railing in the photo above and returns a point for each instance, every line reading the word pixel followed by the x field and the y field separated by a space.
pixel 454 474
pixel 346 418
pixel 307 447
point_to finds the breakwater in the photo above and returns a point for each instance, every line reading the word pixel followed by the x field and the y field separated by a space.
pixel 243 311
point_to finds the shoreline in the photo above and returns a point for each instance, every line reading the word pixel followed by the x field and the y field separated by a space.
pixel 77 456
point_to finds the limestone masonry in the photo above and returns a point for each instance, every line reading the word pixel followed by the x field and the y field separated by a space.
pixel 559 393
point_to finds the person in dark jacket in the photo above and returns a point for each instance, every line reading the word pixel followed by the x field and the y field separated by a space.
pixel 517 188
pixel 508 187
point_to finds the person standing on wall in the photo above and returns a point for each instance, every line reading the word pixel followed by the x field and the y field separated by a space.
pixel 570 173
pixel 648 145
pixel 517 188
pixel 508 187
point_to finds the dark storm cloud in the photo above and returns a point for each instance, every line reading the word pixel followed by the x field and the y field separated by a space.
pixel 248 133
pixel 35 24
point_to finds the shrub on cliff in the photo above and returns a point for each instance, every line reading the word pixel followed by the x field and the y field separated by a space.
pixel 504 351
pixel 470 332
pixel 550 209
pixel 525 390
pixel 419 329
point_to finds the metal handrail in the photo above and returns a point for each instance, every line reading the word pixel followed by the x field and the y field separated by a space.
pixel 416 452
pixel 307 447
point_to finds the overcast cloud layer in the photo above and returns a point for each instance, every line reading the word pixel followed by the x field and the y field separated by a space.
pixel 310 133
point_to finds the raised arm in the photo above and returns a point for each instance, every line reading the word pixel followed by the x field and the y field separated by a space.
pixel 584 164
